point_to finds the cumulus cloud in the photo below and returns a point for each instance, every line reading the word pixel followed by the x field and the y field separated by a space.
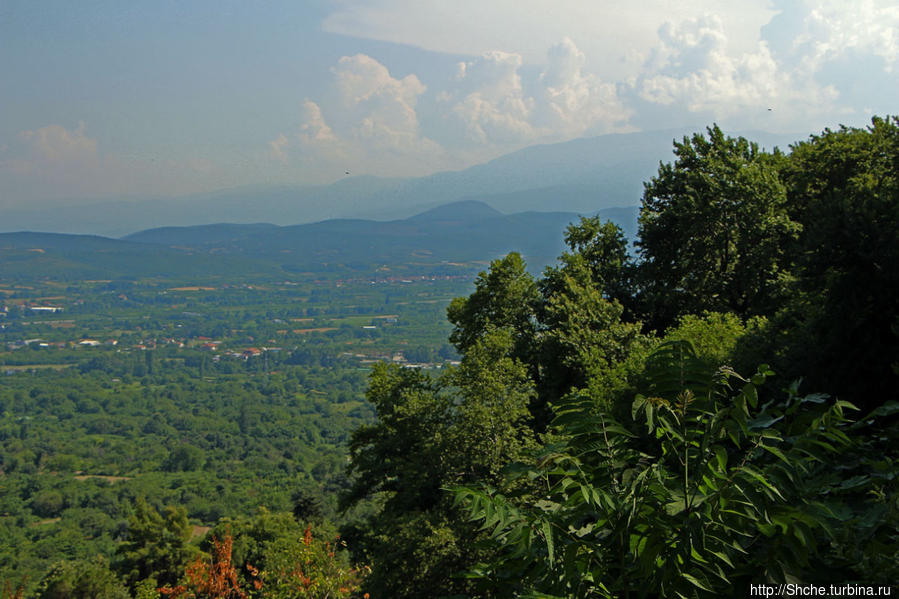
pixel 489 102
pixel 492 105
pixel 383 107
pixel 830 29
pixel 694 67
pixel 700 63
pixel 314 129
pixel 486 107
pixel 372 119
pixel 575 102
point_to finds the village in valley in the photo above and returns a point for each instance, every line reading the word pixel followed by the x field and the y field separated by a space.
pixel 221 321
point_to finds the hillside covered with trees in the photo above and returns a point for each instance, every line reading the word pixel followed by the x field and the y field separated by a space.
pixel 715 409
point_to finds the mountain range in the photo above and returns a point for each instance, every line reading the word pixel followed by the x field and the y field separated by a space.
pixel 579 176
pixel 467 232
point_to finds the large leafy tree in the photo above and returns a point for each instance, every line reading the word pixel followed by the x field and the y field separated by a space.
pixel 584 342
pixel 586 336
pixel 601 249
pixel 157 546
pixel 504 297
pixel 82 579
pixel 843 187
pixel 714 231
pixel 434 432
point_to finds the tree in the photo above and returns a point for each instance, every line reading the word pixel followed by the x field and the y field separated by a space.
pixel 491 412
pixel 400 454
pixel 157 545
pixel 714 231
pixel 504 297
pixel 844 190
pixel 81 579
pixel 309 567
pixel 583 343
pixel 601 249
pixel 215 578
pixel 718 489
pixel 432 433
pixel 183 458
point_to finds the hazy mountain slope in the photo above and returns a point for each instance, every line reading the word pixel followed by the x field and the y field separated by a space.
pixel 459 232
pixel 461 211
pixel 582 175
pixel 202 234
pixel 70 257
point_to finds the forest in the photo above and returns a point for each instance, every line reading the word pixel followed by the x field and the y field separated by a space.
pixel 709 406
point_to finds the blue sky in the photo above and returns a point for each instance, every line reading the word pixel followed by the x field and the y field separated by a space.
pixel 110 99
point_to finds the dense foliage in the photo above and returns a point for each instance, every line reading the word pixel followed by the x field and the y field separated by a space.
pixel 715 489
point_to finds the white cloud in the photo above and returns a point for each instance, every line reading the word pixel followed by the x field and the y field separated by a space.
pixel 620 66
pixel 318 145
pixel 493 105
pixel 314 129
pixel 831 28
pixel 383 107
pixel 694 67
pixel 484 109
pixel 488 101
pixel 575 102
pixel 706 58
pixel 372 122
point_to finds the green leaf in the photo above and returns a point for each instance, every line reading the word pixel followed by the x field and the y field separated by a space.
pixel 675 507
pixel 546 528
pixel 778 453
pixel 763 421
pixel 696 582
pixel 639 404
pixel 760 477
pixel 723 557
pixel 721 457
pixel 751 394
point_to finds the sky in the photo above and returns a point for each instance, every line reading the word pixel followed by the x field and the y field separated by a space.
pixel 105 99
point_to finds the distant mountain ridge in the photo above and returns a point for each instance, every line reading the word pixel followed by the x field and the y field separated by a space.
pixel 581 176
pixel 198 233
pixel 466 231
pixel 461 211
